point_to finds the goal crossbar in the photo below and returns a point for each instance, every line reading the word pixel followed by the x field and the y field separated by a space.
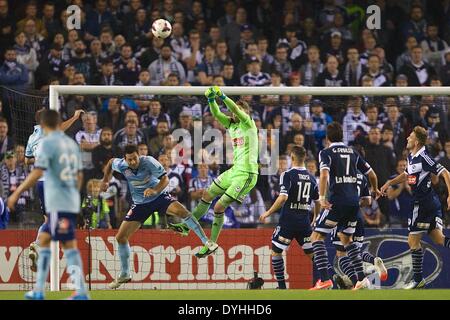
pixel 56 90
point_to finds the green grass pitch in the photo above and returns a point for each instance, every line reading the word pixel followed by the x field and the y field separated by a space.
pixel 428 294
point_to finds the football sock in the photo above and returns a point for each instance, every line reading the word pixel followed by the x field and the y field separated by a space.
pixel 124 254
pixel 75 268
pixel 321 259
pixel 347 268
pixel 278 269
pixel 367 257
pixel 417 261
pixel 193 224
pixel 354 254
pixel 201 209
pixel 217 225
pixel 331 271
pixel 43 266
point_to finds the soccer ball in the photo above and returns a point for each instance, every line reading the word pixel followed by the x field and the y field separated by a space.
pixel 161 28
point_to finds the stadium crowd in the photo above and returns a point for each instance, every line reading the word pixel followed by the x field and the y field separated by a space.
pixel 231 43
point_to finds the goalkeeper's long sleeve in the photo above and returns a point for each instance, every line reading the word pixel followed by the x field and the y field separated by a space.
pixel 233 107
pixel 219 115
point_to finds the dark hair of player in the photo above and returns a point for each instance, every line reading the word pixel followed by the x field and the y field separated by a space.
pixel 334 132
pixel 299 153
pixel 130 149
pixel 50 119
pixel 421 135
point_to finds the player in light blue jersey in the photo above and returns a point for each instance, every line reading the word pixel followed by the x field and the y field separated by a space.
pixel 33 143
pixel 148 183
pixel 59 160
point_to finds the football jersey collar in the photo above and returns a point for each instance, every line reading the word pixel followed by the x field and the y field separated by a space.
pixel 299 168
pixel 335 144
pixel 418 152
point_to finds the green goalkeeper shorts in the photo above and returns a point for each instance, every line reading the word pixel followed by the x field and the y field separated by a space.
pixel 236 184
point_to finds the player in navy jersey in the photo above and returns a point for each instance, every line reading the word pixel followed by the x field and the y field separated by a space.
pixel 344 261
pixel 148 183
pixel 298 189
pixel 59 160
pixel 339 165
pixel 426 216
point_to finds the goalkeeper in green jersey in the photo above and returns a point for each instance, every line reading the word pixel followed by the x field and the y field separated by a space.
pixel 235 183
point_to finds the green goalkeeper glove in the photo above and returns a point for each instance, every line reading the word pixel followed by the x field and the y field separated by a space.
pixel 219 92
pixel 210 94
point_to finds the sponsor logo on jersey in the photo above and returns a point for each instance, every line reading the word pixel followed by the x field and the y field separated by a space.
pixel 237 142
pixel 412 179
pixel 128 173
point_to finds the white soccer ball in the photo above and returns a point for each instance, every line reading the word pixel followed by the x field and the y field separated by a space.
pixel 161 28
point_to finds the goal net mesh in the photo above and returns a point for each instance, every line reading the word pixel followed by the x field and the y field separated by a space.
pixel 168 126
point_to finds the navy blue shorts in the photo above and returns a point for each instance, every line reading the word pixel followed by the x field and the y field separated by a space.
pixel 341 216
pixel 61 226
pixel 358 235
pixel 284 233
pixel 425 216
pixel 40 192
pixel 141 212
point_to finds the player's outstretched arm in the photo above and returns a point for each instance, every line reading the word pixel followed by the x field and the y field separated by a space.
pixel 107 175
pixel 68 123
pixel 274 208
pixel 398 179
pixel 231 105
pixel 30 181
pixel 215 110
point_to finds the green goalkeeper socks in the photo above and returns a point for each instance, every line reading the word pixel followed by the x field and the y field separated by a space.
pixel 217 225
pixel 201 209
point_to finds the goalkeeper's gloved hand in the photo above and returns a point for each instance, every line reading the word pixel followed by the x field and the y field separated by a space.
pixel 219 92
pixel 210 94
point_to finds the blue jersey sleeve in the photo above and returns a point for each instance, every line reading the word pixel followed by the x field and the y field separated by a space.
pixel 44 155
pixel 362 164
pixel 156 168
pixel 430 165
pixel 324 160
pixel 285 183
pixel 117 165
pixel 29 150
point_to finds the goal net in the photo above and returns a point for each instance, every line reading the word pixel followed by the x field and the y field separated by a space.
pixel 174 125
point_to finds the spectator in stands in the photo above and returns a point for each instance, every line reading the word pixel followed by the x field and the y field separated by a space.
pixel 445 70
pixel 405 57
pixel 374 70
pixel 400 197
pixel 199 184
pixel 369 49
pixel 209 67
pixel 34 39
pixel 281 62
pixel 7 26
pixel 353 121
pixel 354 69
pixel 98 18
pixel 103 152
pixel 232 33
pixel 52 65
pixel 263 45
pixel 313 67
pixel 130 135
pixel 335 47
pixel 416 25
pixel 178 41
pixel 433 47
pixel 83 63
pixel 31 13
pixel 255 77
pixel 331 75
pixel 417 70
pixel 127 67
pixel 12 73
pixel 229 75
pixel 143 149
pixel 107 76
pixel 396 121
pixel 95 206
pixel 51 25
pixel 113 117
pixel 252 52
pixel 248 212
pixel 150 119
pixel 88 138
pixel 222 52
pixel 296 48
pixel 373 217
pixel 19 151
pixel 139 32
pixel 26 56
pixel 296 128
pixel 12 176
pixel 320 121
pixel 164 65
pixel 175 180
pixel 156 143
pixel 6 142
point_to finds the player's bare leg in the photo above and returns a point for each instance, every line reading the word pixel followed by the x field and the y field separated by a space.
pixel 417 259
pixel 177 209
pixel 126 229
pixel 43 267
pixel 75 269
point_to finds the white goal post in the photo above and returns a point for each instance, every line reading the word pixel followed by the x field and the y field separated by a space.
pixel 56 90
